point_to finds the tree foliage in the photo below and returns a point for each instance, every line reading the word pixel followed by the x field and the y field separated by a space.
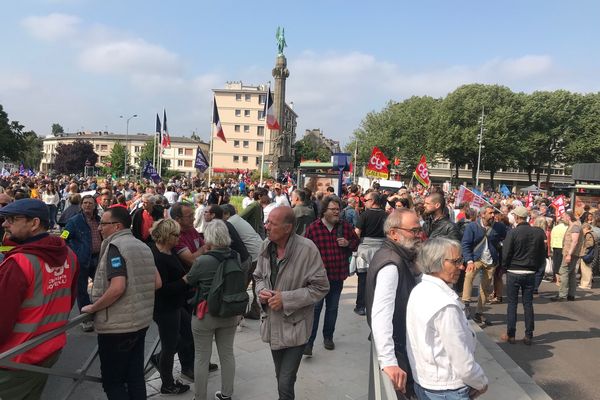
pixel 32 154
pixel 528 131
pixel 147 155
pixel 306 149
pixel 12 144
pixel 71 158
pixel 115 164
pixel 57 128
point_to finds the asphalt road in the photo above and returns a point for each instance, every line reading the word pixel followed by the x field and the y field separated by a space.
pixel 563 359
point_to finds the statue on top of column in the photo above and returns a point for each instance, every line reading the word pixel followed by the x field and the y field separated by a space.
pixel 281 44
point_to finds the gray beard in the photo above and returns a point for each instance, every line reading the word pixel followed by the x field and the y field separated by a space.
pixel 409 244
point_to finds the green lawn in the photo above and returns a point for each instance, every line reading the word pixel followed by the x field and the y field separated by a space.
pixel 236 201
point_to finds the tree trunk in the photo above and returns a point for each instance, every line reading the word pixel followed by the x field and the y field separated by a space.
pixel 492 173
pixel 529 174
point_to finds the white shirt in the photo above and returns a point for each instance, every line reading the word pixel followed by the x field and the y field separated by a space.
pixel 439 341
pixel 282 200
pixel 171 197
pixel 246 202
pixel 382 315
pixel 249 237
pixel 267 210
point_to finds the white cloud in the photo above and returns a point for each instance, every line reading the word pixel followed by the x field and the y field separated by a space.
pixel 14 81
pixel 130 57
pixel 52 27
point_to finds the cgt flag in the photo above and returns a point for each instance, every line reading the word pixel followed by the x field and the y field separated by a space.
pixel 217 122
pixel 422 173
pixel 559 205
pixel 378 164
pixel 201 162
pixel 270 113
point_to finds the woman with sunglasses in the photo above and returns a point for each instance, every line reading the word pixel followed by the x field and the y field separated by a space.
pixel 439 340
pixel 170 314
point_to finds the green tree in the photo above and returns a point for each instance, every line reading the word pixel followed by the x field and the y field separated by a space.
pixel 11 138
pixel 582 143
pixel 32 150
pixel 71 158
pixel 57 128
pixel 116 160
pixel 147 155
pixel 305 149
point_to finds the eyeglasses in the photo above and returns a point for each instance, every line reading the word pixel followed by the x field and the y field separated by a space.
pixel 367 200
pixel 456 261
pixel 109 223
pixel 414 231
pixel 12 218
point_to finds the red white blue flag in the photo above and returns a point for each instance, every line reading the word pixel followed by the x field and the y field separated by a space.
pixel 217 122
pixel 269 112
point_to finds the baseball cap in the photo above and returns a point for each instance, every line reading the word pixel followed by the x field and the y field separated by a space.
pixel 32 208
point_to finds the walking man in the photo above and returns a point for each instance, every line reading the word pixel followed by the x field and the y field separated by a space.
pixel 524 252
pixel 290 280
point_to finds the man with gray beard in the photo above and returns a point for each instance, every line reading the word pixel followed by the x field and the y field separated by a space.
pixel 391 277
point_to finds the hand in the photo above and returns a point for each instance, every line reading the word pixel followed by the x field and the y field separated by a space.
pixel 276 302
pixel 342 242
pixel 470 267
pixel 264 296
pixel 568 258
pixel 87 309
pixel 398 377
pixel 474 393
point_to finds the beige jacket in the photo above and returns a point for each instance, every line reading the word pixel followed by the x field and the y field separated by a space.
pixel 302 280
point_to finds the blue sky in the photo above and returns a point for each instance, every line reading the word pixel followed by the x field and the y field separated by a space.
pixel 82 63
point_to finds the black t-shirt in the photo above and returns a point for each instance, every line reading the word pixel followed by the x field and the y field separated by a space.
pixel 174 290
pixel 115 263
pixel 370 223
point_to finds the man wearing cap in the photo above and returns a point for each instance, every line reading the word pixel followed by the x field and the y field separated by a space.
pixel 38 281
pixel 523 254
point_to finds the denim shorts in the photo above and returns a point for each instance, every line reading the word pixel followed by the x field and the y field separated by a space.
pixel 450 394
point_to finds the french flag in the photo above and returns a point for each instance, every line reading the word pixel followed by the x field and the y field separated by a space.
pixel 270 113
pixel 217 122
pixel 166 139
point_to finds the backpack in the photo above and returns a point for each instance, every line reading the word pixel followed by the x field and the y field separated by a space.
pixel 227 296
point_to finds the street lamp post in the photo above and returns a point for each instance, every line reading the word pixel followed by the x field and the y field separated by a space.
pixel 126 142
pixel 480 139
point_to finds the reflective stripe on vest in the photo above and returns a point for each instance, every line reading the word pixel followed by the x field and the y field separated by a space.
pixel 46 306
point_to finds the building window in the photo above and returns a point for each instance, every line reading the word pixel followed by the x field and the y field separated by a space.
pixel 262 98
pixel 261 114
pixel 97 147
pixel 246 128
pixel 259 146
pixel 238 97
pixel 245 159
pixel 246 113
pixel 246 144
pixel 236 159
pixel 180 152
pixel 238 113
pixel 260 130
pixel 180 163
pixel 187 163
pixel 189 152
pixel 247 97
pixel 257 161
pixel 136 149
pixel 103 147
pixel 236 143
pixel 236 128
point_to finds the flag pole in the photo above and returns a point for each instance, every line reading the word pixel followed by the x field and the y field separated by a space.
pixel 266 140
pixel 212 134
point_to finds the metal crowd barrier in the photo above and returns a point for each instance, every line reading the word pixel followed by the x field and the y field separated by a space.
pixel 80 375
pixel 380 385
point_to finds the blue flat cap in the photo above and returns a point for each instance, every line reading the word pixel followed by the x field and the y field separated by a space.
pixel 28 207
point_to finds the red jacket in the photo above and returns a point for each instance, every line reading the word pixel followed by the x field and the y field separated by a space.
pixel 38 281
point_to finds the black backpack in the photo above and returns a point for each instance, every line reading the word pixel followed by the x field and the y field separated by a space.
pixel 227 296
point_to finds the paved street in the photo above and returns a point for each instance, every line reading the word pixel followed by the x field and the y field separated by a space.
pixel 339 374
pixel 566 350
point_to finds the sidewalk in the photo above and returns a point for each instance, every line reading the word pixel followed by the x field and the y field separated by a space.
pixel 343 372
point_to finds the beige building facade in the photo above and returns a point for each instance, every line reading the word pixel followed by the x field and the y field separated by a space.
pixel 181 153
pixel 241 111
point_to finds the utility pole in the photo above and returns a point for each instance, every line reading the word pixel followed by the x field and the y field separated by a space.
pixel 480 139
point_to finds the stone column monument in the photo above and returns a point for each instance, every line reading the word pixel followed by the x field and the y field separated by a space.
pixel 281 140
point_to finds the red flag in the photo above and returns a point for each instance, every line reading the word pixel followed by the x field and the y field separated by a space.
pixel 422 173
pixel 396 161
pixel 270 113
pixel 559 205
pixel 529 203
pixel 378 164
pixel 217 122
pixel 166 139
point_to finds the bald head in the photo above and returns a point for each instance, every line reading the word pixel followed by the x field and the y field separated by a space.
pixel 280 225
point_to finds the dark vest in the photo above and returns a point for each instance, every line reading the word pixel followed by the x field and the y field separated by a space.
pixel 392 253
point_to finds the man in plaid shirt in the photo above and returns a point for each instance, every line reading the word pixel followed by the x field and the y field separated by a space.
pixel 336 240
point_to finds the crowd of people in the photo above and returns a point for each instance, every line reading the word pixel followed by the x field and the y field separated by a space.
pixel 133 252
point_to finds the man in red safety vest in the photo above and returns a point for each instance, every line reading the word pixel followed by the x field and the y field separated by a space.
pixel 38 280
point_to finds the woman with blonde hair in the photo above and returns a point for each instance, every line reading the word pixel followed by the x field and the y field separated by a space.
pixel 170 314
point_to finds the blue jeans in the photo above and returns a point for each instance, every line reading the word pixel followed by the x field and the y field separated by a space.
pixel 450 394
pixel 85 272
pixel 332 301
pixel 526 283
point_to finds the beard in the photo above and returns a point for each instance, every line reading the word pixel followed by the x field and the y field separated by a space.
pixel 410 244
